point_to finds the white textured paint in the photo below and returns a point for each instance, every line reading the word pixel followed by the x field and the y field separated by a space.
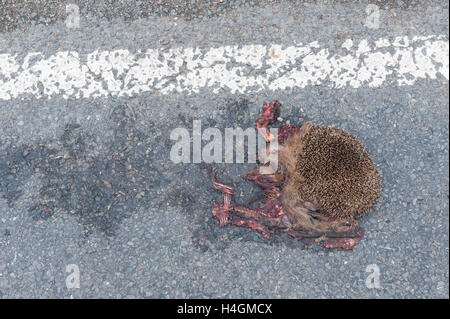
pixel 239 69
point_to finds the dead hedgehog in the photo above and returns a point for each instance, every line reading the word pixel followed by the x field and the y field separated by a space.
pixel 326 180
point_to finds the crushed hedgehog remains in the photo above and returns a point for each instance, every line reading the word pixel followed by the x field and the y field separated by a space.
pixel 325 181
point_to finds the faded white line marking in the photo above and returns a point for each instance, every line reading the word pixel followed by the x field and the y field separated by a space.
pixel 249 68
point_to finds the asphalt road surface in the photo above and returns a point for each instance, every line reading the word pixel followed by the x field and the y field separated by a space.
pixel 89 96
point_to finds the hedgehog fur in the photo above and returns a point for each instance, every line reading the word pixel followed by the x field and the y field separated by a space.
pixel 326 170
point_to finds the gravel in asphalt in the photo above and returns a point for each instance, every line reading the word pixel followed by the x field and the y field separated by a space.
pixel 89 181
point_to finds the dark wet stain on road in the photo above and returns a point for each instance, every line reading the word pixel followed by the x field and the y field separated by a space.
pixel 100 188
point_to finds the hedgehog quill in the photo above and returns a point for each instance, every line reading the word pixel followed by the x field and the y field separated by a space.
pixel 325 181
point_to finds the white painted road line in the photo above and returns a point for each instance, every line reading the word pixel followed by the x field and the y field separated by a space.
pixel 249 68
